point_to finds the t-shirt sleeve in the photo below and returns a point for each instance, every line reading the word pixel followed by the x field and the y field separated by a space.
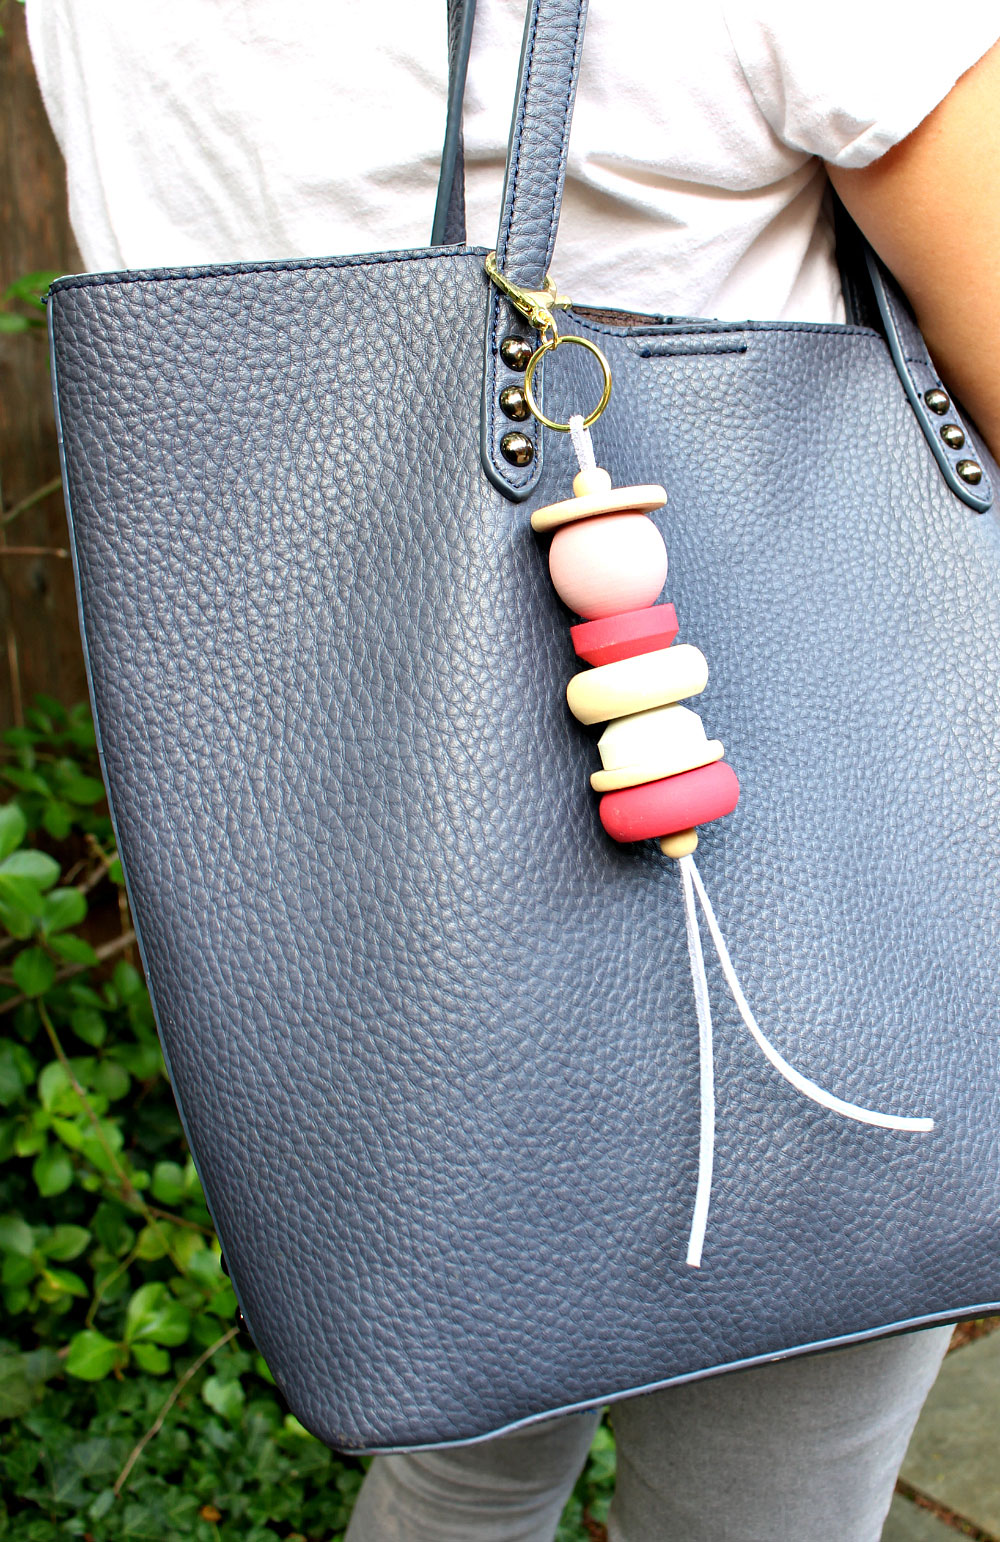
pixel 847 83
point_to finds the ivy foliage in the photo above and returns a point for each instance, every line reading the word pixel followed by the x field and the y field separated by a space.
pixel 131 1404
pixel 21 303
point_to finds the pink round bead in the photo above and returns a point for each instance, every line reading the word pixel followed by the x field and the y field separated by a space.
pixel 608 564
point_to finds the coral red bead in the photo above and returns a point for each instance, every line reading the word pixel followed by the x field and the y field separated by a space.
pixel 611 638
pixel 675 803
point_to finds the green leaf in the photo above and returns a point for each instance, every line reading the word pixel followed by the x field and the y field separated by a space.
pixel 93 1148
pixel 154 1315
pixel 16 1270
pixel 29 1139
pixel 30 287
pixel 110 1223
pixel 57 819
pixel 17 1070
pixel 168 1183
pixel 127 981
pixel 65 1282
pixel 13 828
pixel 223 1304
pixel 81 789
pixel 74 949
pixel 205 1268
pixel 151 1243
pixel 80 726
pixel 151 1358
pixel 144 1061
pixel 85 995
pixel 16 1301
pixel 56 1092
pixel 65 1242
pixel 111 1080
pixel 62 909
pixel 115 872
pixel 70 1131
pixel 20 738
pixel 185 1245
pixel 104 1502
pixel 22 1381
pixel 52 1171
pixel 26 781
pixel 226 1397
pixel 192 1183
pixel 37 866
pixel 20 905
pixel 46 712
pixel 91 1356
pixel 33 971
pixel 16 1236
pixel 90 1026
pixel 11 323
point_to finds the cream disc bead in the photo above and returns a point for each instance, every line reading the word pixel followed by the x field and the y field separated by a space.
pixel 635 684
pixel 613 500
pixel 647 746
pixel 607 565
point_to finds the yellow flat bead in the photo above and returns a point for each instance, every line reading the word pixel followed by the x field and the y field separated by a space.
pixel 633 776
pixel 615 501
pixel 633 685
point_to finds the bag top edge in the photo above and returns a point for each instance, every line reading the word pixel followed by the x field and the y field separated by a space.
pixel 235 269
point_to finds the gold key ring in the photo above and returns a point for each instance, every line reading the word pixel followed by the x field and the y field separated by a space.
pixel 548 346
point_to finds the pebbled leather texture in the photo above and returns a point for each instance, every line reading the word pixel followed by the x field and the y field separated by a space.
pixel 529 218
pixel 431 1033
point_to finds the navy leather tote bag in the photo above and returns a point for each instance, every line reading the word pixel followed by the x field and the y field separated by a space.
pixel 431 1032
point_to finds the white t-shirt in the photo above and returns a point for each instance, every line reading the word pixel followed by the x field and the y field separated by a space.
pixel 221 130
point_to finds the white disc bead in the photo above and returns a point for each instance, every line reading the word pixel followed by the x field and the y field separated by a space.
pixel 649 745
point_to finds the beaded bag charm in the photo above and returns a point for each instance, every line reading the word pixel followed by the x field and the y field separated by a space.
pixel 661 776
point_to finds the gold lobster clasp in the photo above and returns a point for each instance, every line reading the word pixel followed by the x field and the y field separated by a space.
pixel 536 305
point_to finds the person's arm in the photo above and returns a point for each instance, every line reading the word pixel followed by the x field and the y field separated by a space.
pixel 931 209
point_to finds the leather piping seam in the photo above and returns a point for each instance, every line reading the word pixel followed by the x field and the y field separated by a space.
pixel 237 270
pixel 833 328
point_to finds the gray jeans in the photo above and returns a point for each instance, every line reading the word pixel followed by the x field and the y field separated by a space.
pixel 803 1451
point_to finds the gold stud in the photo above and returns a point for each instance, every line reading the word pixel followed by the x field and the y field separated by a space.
pixel 518 449
pixel 515 352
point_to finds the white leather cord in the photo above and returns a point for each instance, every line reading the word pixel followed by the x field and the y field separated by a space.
pixel 692 885
pixel 582 443
pixel 706 1135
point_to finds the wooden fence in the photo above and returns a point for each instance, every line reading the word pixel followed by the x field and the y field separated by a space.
pixel 39 641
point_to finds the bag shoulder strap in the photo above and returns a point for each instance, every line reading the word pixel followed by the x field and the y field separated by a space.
pixel 529 218
pixel 449 211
